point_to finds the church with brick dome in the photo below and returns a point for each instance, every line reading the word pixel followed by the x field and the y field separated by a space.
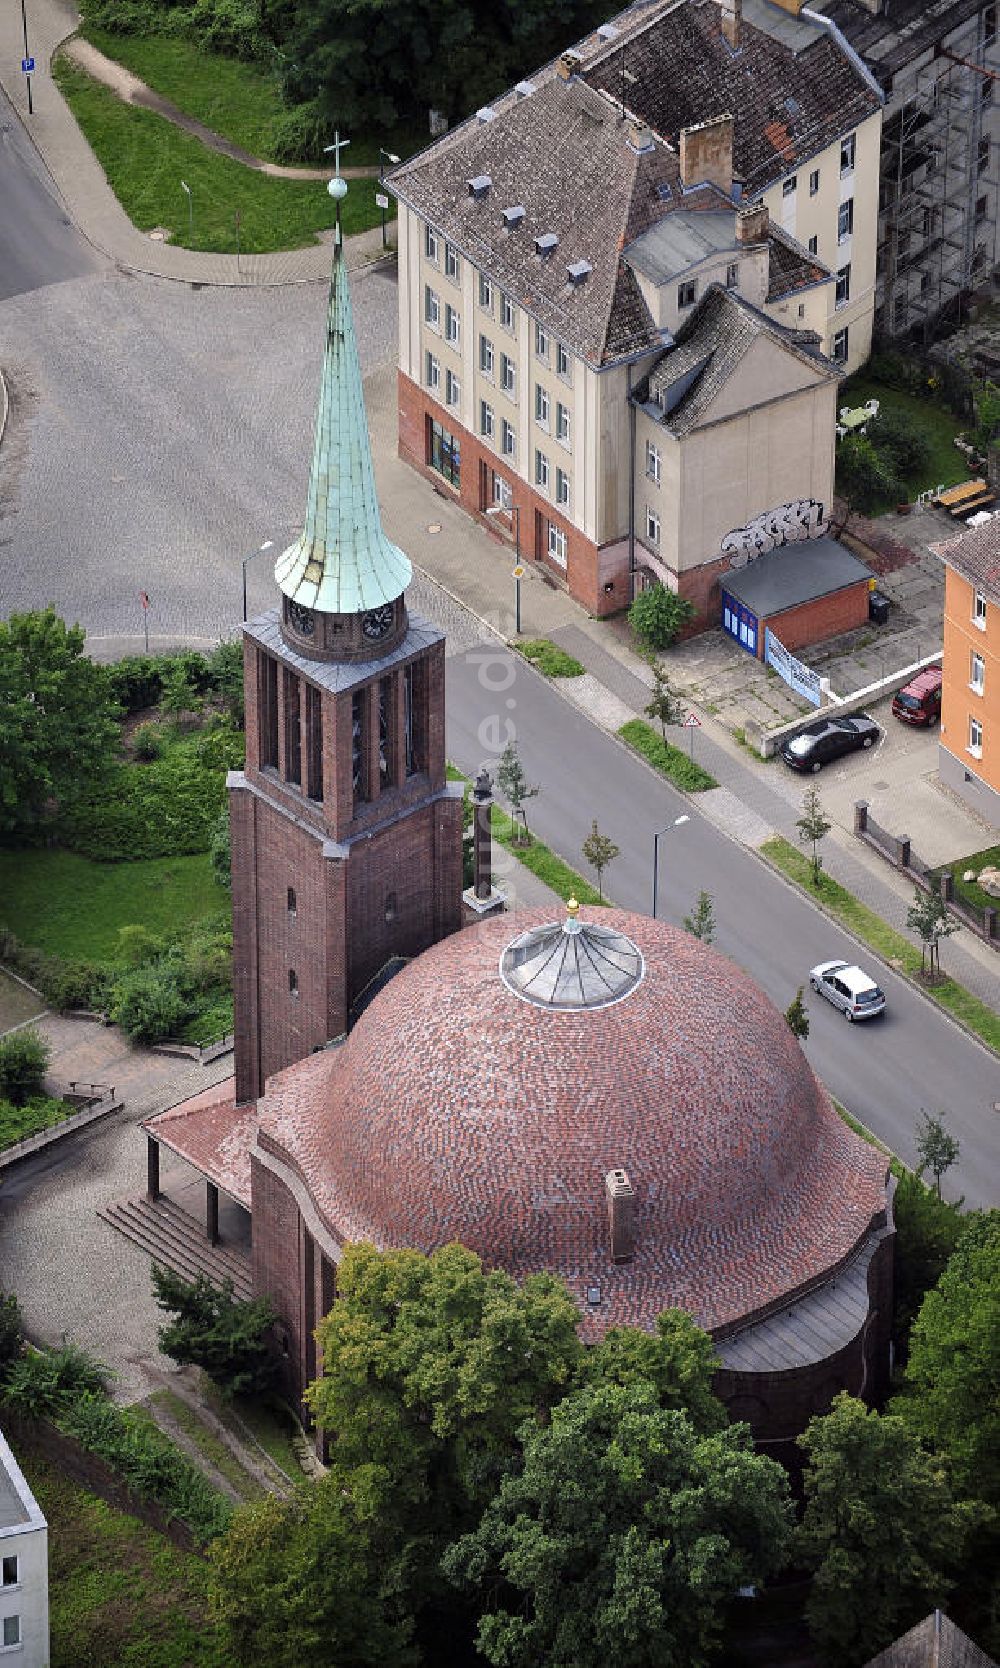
pixel 594 1094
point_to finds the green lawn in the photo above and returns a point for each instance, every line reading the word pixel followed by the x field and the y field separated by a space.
pixel 73 907
pixel 550 660
pixel 120 1595
pixel 946 466
pixel 145 158
pixel 872 930
pixel 967 890
pixel 18 1122
pixel 685 773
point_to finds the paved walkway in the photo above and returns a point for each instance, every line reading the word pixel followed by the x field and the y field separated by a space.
pixel 90 201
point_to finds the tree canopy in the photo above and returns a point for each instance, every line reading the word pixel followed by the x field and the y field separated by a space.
pixel 58 727
pixel 622 1538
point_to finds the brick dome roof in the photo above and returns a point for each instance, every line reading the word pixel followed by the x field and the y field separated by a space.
pixel 458 1110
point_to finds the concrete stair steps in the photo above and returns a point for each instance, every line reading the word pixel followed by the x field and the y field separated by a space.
pixel 171 1237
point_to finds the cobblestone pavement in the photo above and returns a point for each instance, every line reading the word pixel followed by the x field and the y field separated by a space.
pixel 73 1274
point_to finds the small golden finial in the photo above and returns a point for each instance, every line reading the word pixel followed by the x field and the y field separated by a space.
pixel 572 908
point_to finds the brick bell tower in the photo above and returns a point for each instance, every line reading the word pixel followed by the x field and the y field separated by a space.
pixel 346 836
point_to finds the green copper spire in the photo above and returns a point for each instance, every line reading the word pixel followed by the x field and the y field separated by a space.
pixel 342 562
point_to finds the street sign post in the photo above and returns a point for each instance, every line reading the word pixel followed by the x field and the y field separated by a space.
pixel 144 600
pixel 691 723
pixel 518 576
pixel 27 66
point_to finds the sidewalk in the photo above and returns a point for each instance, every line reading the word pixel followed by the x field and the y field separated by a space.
pixel 90 201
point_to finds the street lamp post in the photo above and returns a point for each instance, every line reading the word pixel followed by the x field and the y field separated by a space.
pixel 187 191
pixel 656 851
pixel 383 158
pixel 267 545
pixel 513 510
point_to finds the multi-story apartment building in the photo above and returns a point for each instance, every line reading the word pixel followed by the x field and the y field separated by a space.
pixel 937 62
pixel 627 287
pixel 24 1569
pixel 969 752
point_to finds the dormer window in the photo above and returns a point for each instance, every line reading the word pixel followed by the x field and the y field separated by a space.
pixel 545 243
pixel 578 271
pixel 479 187
pixel 512 217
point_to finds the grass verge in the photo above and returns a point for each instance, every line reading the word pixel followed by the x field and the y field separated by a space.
pixel 550 660
pixel 40 1112
pixel 537 857
pixel 208 1444
pixel 73 907
pixel 966 890
pixel 670 761
pixel 885 940
pixel 145 158
pixel 120 1595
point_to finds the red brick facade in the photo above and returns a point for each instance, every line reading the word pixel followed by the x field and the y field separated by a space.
pixel 813 622
pixel 328 887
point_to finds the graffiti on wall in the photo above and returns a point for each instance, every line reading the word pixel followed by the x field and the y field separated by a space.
pixel 803 518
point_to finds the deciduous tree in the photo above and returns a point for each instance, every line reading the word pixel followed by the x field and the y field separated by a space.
pixel 678 1360
pixel 797 1015
pixel 622 1538
pixel 928 919
pixel 813 826
pixel 513 783
pixel 663 706
pixel 600 851
pixel 215 1330
pixel 936 1149
pixel 701 922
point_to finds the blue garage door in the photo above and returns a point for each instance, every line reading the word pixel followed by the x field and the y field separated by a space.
pixel 740 623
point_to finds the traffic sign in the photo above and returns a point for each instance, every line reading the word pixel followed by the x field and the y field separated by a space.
pixel 27 66
pixel 692 722
pixel 518 572
pixel 381 200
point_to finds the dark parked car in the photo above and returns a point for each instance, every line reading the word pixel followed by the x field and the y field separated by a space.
pixel 829 738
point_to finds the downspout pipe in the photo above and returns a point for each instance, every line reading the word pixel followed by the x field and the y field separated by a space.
pixel 631 484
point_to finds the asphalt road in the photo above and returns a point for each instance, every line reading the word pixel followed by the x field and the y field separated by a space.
pixel 38 243
pixel 884 1071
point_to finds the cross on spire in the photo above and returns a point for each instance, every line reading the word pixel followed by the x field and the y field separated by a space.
pixel 338 145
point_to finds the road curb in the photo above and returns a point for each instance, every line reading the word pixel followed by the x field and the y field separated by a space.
pixel 4 405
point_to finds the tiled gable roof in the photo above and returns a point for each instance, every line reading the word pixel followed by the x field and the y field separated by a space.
pixel 562 155
pixel 975 554
pixel 680 70
pixel 717 338
pixel 889 40
pixel 934 1643
pixel 790 267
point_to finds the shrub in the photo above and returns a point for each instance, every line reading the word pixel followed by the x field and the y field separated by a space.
pixel 552 661
pixel 11 1332
pixel 24 1060
pixel 682 770
pixel 137 681
pixel 45 1382
pixel 299 134
pixel 657 615
pixel 863 475
pixel 148 743
pixel 219 746
pixel 927 1231
pixel 168 808
pixel 137 946
pixel 149 1002
pixel 225 668
pixel 220 851
pixel 212 1329
pixel 75 984
pixel 986 401
pixel 900 442
pixel 38 1113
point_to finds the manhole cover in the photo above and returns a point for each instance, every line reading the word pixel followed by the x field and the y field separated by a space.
pixel 880 787
pixel 434 527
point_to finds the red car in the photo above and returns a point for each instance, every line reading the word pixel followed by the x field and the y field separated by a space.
pixel 920 701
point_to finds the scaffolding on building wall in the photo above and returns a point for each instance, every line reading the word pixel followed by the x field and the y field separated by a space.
pixel 938 195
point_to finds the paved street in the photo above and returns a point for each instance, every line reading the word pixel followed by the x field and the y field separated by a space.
pixel 38 242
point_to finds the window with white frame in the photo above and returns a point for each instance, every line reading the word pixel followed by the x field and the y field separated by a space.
pixel 848 149
pixel 732 275
pixel 508 439
pixel 790 185
pixel 563 367
pixel 432 246
pixel 542 471
pixel 502 495
pixel 541 406
pixel 979 610
pixel 843 293
pixel 652 526
pixel 563 423
pixel 452 325
pixel 686 293
pixel 485 292
pixel 452 389
pixel 556 543
pixel 11 1571
pixel 432 373
pixel 653 462
pixel 432 308
pixel 814 245
pixel 487 421
pixel 814 182
pixel 840 347
pixel 541 344
pixel 452 263
pixel 976 737
pixel 562 488
pixel 486 356
pixel 507 312
pixel 845 220
pixel 508 375
pixel 11 1631
pixel 977 672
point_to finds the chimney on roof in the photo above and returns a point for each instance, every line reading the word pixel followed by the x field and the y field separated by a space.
pixel 568 65
pixel 621 1215
pixel 707 154
pixel 795 6
pixel 732 21
pixel 752 223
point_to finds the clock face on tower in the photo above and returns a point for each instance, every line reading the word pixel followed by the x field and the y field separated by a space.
pixel 377 623
pixel 303 619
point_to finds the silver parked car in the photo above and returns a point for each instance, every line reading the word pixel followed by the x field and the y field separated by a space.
pixel 849 989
